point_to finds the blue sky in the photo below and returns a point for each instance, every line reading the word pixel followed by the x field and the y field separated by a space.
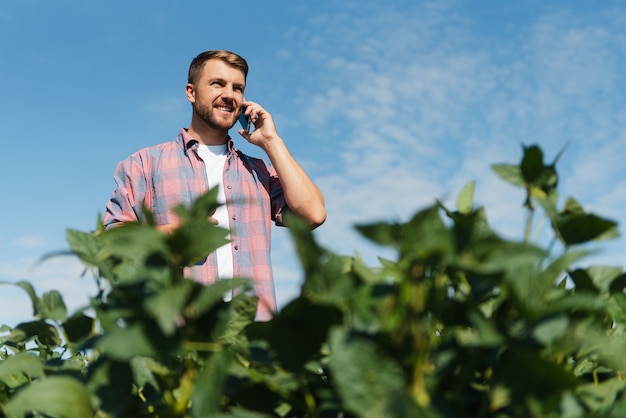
pixel 388 106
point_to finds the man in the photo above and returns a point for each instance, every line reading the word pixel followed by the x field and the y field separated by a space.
pixel 204 156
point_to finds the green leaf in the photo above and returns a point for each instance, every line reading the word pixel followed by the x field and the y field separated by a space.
pixel 45 333
pixel 111 382
pixel 598 396
pixel 603 276
pixel 551 329
pixel 618 284
pixel 20 368
pixel 492 255
pixel 168 305
pixel 210 295
pixel 193 242
pixel 510 173
pixel 134 252
pixel 532 166
pixel 298 331
pixel 144 371
pixel 465 199
pixel 57 396
pixel 583 228
pixel 562 263
pixel 381 233
pixel 541 377
pixel 309 252
pixel 435 239
pixel 400 405
pixel 85 245
pixel 53 306
pixel 582 280
pixel 208 388
pixel 202 208
pixel 364 375
pixel 243 312
pixel 141 339
pixel 616 306
pixel 579 303
pixel 483 333
pixel 78 327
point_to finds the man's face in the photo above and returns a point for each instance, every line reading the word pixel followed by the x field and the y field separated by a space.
pixel 217 96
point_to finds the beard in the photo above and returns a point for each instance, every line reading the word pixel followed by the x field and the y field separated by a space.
pixel 206 115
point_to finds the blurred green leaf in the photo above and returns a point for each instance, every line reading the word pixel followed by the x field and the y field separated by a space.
pixel 599 396
pixel 135 340
pixel 20 368
pixel 193 242
pixel 78 327
pixel 583 228
pixel 298 331
pixel 364 376
pixel 45 333
pixel 53 306
pixel 465 199
pixel 603 276
pixel 57 396
pixel 551 329
pixel 168 305
pixel 85 245
pixel 532 164
pixel 145 370
pixel 482 334
pixel 203 207
pixel 206 400
pixel 111 382
pixel 526 373
pixel 210 295
pixel 510 173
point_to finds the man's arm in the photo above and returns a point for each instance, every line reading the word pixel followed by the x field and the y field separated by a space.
pixel 125 202
pixel 302 196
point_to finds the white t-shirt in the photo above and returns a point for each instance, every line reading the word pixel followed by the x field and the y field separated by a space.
pixel 214 157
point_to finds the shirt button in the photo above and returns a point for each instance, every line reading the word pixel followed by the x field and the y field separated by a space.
pixel 236 247
pixel 229 187
pixel 234 218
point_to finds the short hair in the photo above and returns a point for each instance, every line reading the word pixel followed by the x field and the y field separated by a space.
pixel 230 58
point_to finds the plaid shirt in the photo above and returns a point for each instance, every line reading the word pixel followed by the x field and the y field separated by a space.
pixel 163 176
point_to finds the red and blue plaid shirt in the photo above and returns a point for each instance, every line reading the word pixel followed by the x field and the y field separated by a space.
pixel 166 175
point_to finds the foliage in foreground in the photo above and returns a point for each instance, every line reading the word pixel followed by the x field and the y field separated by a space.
pixel 462 323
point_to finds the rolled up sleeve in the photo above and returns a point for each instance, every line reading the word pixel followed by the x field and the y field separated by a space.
pixel 128 198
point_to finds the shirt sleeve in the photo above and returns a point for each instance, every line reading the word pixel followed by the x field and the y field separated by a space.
pixel 277 197
pixel 128 198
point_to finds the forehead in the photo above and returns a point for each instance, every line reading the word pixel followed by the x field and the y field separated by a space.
pixel 216 68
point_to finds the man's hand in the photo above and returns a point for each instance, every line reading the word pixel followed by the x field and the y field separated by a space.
pixel 264 128
pixel 302 196
pixel 170 228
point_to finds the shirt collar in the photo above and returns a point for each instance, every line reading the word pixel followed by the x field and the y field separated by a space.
pixel 189 142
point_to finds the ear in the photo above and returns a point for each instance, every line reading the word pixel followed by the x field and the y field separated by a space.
pixel 191 93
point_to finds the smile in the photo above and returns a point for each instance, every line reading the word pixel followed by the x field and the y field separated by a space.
pixel 224 108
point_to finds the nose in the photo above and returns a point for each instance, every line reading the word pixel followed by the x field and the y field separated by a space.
pixel 228 91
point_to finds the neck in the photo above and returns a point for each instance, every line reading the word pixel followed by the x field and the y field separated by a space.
pixel 205 134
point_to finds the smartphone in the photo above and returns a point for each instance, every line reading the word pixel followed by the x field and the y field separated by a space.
pixel 245 122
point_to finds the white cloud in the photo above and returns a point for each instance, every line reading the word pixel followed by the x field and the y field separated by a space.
pixel 428 102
